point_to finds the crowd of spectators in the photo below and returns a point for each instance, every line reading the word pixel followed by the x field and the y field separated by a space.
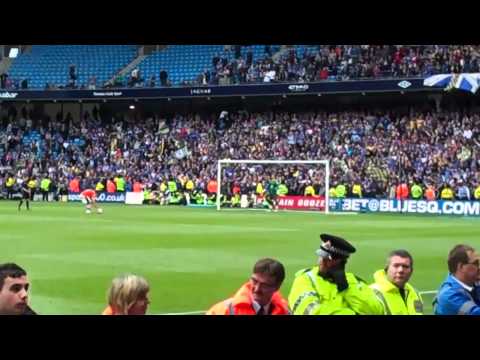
pixel 286 63
pixel 376 150
pixel 340 62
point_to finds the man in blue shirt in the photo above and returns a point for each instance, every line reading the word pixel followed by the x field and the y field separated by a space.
pixel 460 292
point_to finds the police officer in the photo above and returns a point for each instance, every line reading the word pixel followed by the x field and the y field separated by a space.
pixel 327 289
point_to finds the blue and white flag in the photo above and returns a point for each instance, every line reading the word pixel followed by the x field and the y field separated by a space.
pixel 467 82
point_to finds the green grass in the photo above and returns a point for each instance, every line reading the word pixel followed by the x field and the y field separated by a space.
pixel 195 257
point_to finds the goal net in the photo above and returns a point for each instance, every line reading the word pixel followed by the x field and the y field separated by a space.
pixel 273 184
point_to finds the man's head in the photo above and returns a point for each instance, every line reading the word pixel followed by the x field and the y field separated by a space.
pixel 266 279
pixel 333 253
pixel 463 263
pixel 399 267
pixel 13 289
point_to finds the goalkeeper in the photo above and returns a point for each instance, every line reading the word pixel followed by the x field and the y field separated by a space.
pixel 271 194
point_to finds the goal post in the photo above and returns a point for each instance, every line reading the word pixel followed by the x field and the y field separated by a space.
pixel 325 163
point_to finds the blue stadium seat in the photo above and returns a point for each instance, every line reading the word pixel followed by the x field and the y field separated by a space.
pixel 50 63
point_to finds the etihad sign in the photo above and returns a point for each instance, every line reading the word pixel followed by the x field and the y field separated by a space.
pixel 298 87
pixel 8 95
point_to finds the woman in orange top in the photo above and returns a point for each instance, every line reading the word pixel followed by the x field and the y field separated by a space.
pixel 128 295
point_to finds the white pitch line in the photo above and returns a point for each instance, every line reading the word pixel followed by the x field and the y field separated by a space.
pixel 198 312
pixel 294 211
pixel 428 292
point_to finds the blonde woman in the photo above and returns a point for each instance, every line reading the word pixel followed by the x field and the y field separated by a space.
pixel 128 295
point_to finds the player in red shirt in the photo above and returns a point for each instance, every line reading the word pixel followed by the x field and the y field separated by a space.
pixel 89 198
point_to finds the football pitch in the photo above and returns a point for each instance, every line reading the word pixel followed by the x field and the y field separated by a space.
pixel 195 257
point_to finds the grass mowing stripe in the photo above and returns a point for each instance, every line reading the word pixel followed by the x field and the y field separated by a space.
pixel 73 256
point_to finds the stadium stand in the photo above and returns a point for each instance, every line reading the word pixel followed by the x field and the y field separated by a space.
pixel 233 64
pixel 50 63
pixel 378 149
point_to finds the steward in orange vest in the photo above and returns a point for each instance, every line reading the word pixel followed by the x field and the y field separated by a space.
pixel 259 296
pixel 137 186
pixel 111 187
pixel 402 191
pixel 74 185
pixel 430 193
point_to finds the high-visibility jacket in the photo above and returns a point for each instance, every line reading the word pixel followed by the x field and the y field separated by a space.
pixel 357 190
pixel 172 186
pixel 198 196
pixel 111 188
pixel 32 184
pixel 163 187
pixel 146 194
pixel 309 191
pixel 99 186
pixel 282 190
pixel 332 193
pixel 341 191
pixel 446 194
pixel 120 183
pixel 235 200
pixel 242 304
pixel 259 190
pixel 430 193
pixel 189 185
pixel 45 184
pixel 10 182
pixel 389 296
pixel 416 191
pixel 476 194
pixel 311 294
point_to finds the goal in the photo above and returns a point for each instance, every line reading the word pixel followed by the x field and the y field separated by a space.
pixel 221 164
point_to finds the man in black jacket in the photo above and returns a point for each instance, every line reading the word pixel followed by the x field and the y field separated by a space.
pixel 3 80
pixel 163 78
